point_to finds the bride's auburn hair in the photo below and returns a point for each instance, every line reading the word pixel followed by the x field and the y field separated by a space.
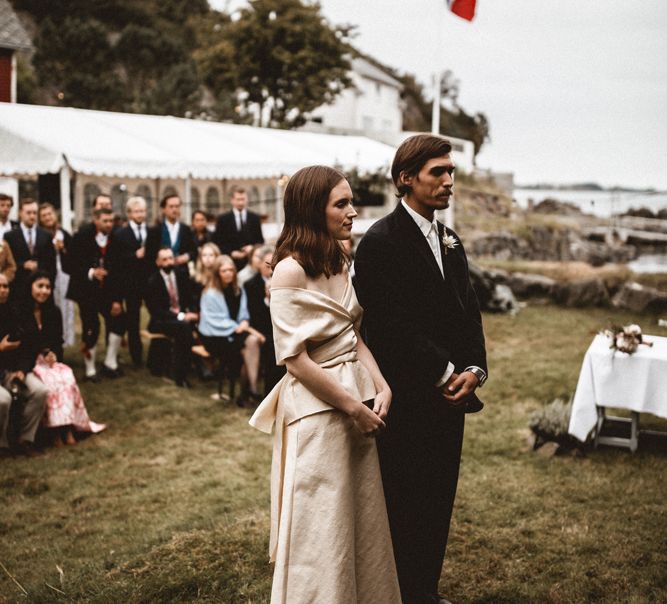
pixel 305 236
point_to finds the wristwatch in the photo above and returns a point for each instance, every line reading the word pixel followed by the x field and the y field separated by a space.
pixel 480 373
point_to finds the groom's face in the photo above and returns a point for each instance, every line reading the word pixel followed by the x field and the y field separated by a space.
pixel 432 185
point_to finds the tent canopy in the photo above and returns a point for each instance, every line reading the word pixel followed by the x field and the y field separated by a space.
pixel 36 139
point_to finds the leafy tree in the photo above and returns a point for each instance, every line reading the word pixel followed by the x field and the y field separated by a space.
pixel 60 65
pixel 279 54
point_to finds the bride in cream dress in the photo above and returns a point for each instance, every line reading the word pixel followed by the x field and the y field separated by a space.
pixel 330 537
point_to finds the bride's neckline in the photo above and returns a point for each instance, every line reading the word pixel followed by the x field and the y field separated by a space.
pixel 340 302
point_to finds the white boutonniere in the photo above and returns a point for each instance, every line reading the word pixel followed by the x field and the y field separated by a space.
pixel 449 241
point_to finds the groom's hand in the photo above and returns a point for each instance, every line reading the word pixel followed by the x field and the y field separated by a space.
pixel 459 387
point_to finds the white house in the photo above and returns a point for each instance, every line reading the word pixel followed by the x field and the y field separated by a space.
pixel 371 106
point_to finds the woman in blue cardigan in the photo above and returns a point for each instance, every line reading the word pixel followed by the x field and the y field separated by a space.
pixel 224 324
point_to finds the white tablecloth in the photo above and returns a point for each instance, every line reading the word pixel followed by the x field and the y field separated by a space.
pixel 637 382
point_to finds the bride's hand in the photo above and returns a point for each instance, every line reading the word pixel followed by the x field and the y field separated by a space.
pixel 382 403
pixel 367 421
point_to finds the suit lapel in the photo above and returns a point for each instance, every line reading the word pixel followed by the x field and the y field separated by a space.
pixel 447 266
pixel 411 232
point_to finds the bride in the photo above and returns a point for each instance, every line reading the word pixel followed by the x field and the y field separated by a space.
pixel 330 536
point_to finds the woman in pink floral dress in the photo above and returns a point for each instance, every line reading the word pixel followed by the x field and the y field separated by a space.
pixel 41 352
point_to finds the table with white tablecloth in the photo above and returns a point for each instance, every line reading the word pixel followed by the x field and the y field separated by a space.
pixel 608 378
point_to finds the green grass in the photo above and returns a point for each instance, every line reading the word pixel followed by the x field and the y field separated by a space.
pixel 171 503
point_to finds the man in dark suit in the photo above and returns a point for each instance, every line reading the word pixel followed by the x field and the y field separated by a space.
pixel 131 240
pixel 258 293
pixel 238 231
pixel 173 234
pixel 96 285
pixel 423 324
pixel 169 301
pixel 31 247
pixel 6 203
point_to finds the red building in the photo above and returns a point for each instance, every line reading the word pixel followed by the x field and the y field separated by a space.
pixel 13 37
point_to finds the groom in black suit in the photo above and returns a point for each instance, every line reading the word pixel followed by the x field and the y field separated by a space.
pixel 423 325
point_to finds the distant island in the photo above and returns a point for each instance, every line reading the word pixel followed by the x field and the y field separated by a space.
pixel 584 186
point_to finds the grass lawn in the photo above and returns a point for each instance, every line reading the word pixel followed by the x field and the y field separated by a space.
pixel 171 503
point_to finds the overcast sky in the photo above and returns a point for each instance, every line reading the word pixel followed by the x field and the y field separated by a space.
pixel 574 90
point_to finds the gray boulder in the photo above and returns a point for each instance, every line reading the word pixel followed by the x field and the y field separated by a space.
pixel 589 292
pixel 638 298
pixel 525 285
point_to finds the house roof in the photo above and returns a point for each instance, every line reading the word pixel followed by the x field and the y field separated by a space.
pixel 366 69
pixel 12 33
pixel 36 139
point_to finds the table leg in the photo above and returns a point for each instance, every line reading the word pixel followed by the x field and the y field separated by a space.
pixel 634 432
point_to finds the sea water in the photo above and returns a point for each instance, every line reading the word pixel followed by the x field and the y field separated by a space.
pixel 600 203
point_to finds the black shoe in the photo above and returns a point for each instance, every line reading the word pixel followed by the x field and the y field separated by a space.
pixel 95 378
pixel 111 373
pixel 184 384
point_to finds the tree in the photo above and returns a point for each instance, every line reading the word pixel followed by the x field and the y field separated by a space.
pixel 279 54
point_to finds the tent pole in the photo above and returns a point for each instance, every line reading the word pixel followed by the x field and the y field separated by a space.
pixel 66 217
pixel 187 199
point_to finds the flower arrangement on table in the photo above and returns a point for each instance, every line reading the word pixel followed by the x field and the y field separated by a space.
pixel 625 338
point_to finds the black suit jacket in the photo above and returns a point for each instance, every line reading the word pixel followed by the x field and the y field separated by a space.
pixel 157 299
pixel 260 315
pixel 43 252
pixel 84 254
pixel 185 245
pixel 228 238
pixel 35 340
pixel 415 321
pixel 135 271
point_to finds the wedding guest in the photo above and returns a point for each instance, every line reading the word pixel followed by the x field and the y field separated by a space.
pixel 199 223
pixel 61 239
pixel 96 285
pixel 258 292
pixel 252 268
pixel 169 301
pixel 41 353
pixel 224 324
pixel 31 247
pixel 237 231
pixel 204 267
pixel 6 204
pixel 25 386
pixel 173 234
pixel 131 240
pixel 7 263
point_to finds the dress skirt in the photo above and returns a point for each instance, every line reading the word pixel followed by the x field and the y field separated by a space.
pixel 334 545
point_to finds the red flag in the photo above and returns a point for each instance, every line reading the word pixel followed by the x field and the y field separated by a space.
pixel 463 8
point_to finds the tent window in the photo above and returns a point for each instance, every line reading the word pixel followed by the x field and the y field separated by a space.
pixel 195 198
pixel 253 197
pixel 212 201
pixel 90 192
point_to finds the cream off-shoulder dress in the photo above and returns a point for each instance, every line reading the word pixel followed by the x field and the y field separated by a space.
pixel 330 537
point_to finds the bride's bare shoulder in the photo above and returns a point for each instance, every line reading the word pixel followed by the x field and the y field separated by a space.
pixel 288 273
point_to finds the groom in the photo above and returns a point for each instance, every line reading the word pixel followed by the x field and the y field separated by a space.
pixel 423 325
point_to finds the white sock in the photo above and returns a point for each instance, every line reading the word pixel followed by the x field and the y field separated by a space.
pixel 111 360
pixel 89 361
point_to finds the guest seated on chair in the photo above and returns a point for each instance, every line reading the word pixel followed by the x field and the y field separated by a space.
pixel 170 304
pixel 41 352
pixel 19 387
pixel 224 325
pixel 204 267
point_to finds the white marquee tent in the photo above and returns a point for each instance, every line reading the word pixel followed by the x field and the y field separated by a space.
pixel 37 140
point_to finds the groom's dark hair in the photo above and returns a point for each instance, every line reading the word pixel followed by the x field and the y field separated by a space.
pixel 413 153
